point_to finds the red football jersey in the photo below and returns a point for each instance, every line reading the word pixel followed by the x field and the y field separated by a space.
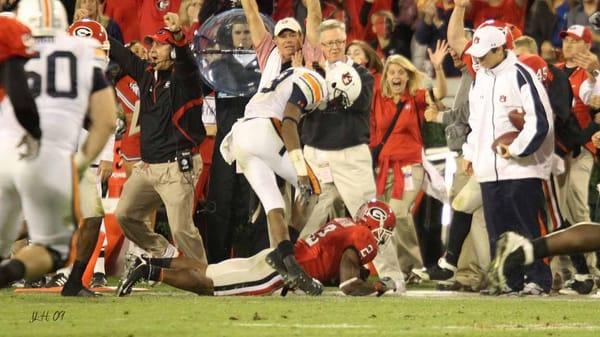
pixel 128 96
pixel 15 41
pixel 320 253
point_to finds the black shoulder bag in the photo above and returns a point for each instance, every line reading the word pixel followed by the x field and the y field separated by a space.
pixel 377 149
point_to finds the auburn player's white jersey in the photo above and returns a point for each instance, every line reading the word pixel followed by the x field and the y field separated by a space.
pixel 60 80
pixel 300 86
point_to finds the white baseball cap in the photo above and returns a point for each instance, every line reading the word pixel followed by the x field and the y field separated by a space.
pixel 287 23
pixel 485 39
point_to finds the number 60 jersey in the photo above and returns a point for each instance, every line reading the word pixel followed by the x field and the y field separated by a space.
pixel 320 253
pixel 61 79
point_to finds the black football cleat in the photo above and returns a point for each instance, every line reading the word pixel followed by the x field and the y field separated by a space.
pixel 300 279
pixel 139 270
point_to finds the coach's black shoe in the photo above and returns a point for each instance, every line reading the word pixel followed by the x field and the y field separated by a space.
pixel 139 270
pixel 300 279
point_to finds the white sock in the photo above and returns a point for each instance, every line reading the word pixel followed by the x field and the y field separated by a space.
pixel 99 267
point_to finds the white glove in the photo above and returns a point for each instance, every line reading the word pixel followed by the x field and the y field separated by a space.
pixel 81 163
pixel 29 147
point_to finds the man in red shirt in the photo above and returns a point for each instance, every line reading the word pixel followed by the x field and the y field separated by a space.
pixel 16 46
pixel 335 254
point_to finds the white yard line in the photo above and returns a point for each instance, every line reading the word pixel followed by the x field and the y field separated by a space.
pixel 478 327
pixel 306 326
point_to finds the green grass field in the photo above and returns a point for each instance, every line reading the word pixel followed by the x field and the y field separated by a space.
pixel 164 311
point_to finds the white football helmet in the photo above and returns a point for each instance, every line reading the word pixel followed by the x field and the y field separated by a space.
pixel 343 84
pixel 313 86
pixel 43 17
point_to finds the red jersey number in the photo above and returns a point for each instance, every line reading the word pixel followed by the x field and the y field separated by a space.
pixel 312 239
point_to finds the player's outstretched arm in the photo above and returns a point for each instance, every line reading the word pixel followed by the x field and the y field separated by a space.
pixel 103 114
pixel 289 127
pixel 255 23
pixel 351 282
pixel 291 140
pixel 313 20
pixel 15 83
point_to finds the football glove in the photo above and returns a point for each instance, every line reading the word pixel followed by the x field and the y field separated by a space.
pixel 383 285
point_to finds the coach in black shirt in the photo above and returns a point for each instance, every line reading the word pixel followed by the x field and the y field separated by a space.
pixel 336 139
pixel 171 131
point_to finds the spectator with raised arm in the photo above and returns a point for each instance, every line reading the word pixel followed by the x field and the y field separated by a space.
pixel 275 53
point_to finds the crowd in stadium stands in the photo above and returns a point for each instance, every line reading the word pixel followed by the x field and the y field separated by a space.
pixel 512 82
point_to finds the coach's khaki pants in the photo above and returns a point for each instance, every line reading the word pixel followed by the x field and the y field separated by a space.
pixel 573 187
pixel 475 253
pixel 146 188
pixel 404 238
pixel 573 193
pixel 353 181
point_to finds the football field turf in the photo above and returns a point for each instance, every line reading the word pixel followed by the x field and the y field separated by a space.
pixel 163 311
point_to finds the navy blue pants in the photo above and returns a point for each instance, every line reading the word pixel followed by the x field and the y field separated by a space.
pixel 518 206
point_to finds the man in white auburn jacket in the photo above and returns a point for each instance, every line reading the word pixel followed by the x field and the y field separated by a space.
pixel 510 175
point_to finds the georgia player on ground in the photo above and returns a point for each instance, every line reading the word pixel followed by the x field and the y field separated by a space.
pixel 334 254
pixel 16 46
pixel 66 84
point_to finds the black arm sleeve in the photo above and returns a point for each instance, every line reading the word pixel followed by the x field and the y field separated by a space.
pixel 185 66
pixel 99 81
pixel 559 92
pixel 15 83
pixel 131 64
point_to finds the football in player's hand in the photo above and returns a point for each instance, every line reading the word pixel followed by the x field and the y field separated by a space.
pixel 506 139
pixel 517 118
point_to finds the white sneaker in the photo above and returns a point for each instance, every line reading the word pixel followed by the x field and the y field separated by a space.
pixel 532 289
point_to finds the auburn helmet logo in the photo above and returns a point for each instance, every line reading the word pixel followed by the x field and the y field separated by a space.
pixel 83 32
pixel 347 78
pixel 476 40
